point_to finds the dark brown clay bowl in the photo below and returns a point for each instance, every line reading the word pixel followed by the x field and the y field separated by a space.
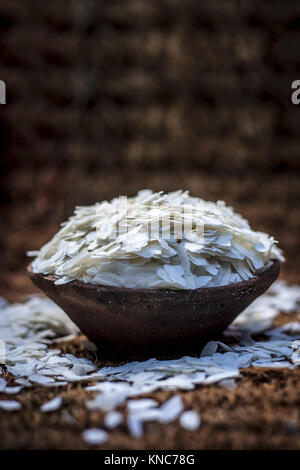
pixel 137 323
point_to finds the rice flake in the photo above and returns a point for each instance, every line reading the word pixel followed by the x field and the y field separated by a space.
pixel 29 329
pixel 52 405
pixel 10 405
pixel 190 420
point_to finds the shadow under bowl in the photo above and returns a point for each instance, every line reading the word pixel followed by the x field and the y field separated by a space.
pixel 129 323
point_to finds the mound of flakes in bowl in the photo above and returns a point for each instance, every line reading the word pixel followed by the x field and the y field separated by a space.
pixel 156 240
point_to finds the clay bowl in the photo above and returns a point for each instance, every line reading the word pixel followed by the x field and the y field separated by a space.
pixel 137 323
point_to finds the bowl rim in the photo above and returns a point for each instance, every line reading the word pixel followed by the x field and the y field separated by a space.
pixel 273 265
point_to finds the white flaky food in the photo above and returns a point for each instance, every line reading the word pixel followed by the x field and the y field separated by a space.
pixel 156 240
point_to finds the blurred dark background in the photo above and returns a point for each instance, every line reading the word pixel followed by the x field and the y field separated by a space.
pixel 106 98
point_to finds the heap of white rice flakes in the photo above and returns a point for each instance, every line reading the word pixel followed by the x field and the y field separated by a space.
pixel 156 240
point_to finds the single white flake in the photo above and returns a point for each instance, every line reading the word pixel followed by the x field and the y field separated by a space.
pixel 171 409
pixel 29 328
pixel 156 240
pixel 209 349
pixel 113 419
pixel 135 426
pixel 2 385
pixel 10 405
pixel 52 405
